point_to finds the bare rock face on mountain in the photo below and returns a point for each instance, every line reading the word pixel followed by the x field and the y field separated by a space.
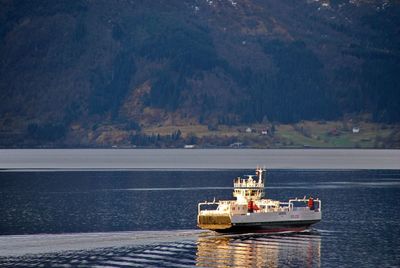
pixel 72 65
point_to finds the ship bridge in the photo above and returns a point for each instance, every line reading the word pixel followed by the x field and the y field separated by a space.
pixel 249 189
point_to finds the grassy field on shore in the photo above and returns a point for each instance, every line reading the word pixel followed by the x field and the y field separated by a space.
pixel 330 134
pixel 305 134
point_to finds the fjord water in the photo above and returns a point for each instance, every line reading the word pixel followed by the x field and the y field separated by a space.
pixel 148 218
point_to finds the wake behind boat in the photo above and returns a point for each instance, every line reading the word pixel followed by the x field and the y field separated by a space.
pixel 251 213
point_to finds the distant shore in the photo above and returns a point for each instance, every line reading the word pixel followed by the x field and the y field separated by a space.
pixel 184 159
pixel 345 134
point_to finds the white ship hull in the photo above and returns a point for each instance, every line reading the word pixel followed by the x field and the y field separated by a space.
pixel 282 221
pixel 251 213
pixel 274 221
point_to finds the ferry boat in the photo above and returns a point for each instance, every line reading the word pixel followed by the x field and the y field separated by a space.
pixel 250 212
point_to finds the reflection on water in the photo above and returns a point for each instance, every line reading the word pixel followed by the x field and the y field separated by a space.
pixel 300 250
pixel 172 249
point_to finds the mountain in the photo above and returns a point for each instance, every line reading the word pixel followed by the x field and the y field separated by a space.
pixel 70 67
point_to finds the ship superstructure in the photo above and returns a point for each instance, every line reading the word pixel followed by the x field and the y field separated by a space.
pixel 251 212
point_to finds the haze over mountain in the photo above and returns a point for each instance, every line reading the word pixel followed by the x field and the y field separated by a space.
pixel 69 66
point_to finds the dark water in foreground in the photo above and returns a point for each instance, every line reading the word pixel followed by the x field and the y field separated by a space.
pixel 148 218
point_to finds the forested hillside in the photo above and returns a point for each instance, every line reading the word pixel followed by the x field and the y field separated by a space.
pixel 72 72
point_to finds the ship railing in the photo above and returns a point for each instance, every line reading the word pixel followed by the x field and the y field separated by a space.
pixel 215 204
pixel 200 206
pixel 248 185
pixel 220 207
pixel 239 182
pixel 304 201
pixel 277 209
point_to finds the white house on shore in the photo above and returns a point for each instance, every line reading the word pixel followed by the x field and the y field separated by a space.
pixel 189 146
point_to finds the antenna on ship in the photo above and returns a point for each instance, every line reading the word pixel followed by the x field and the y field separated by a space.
pixel 259 173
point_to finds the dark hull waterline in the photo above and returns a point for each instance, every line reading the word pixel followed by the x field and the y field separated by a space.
pixel 273 227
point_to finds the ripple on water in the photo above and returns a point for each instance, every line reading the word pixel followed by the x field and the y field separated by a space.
pixel 205 249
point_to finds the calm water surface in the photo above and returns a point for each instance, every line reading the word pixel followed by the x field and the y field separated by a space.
pixel 148 218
